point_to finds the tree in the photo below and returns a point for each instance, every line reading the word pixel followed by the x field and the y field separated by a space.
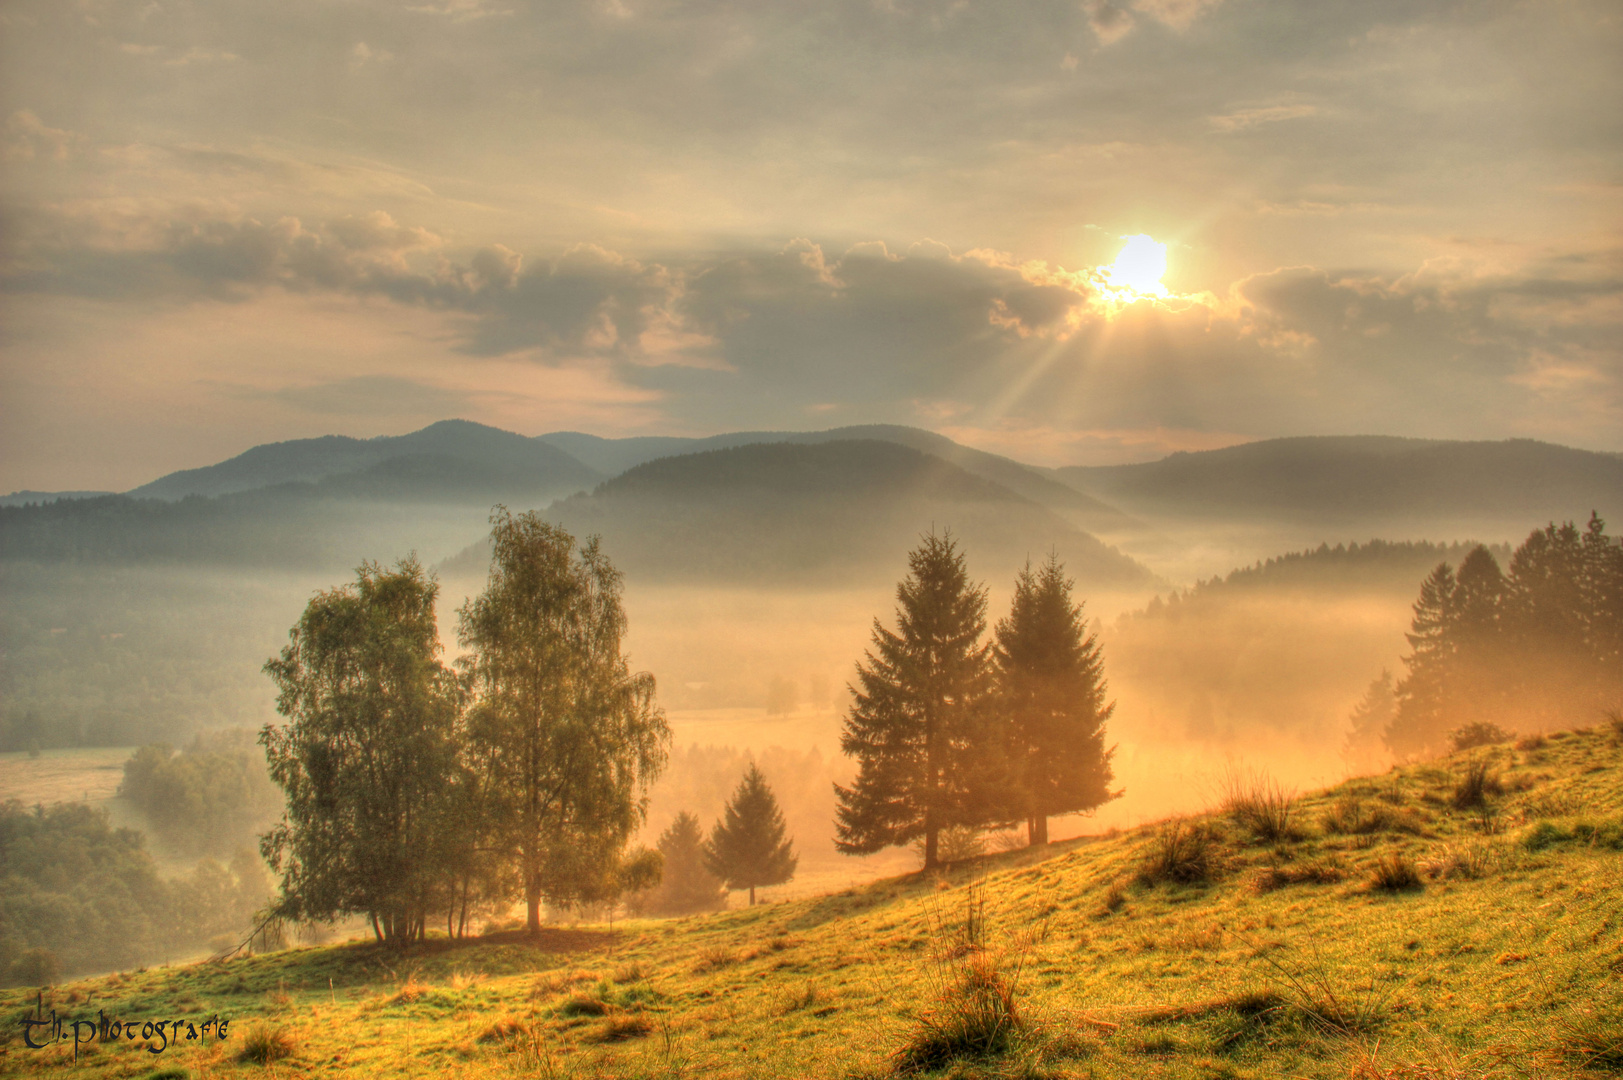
pixel 1370 718
pixel 567 736
pixel 686 885
pixel 747 847
pixel 367 756
pixel 918 725
pixel 1051 698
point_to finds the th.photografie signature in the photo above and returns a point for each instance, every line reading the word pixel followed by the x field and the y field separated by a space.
pixel 41 1031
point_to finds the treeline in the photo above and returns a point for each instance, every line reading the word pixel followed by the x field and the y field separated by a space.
pixel 79 896
pixel 952 730
pixel 418 791
pixel 1536 647
pixel 208 799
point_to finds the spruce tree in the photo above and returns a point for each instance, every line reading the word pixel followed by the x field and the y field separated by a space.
pixel 1051 702
pixel 686 884
pixel 748 848
pixel 918 727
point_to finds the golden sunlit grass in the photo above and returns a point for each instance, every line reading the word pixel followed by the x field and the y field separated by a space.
pixel 1485 953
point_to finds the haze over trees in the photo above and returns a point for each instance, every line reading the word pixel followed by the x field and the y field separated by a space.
pixel 686 884
pixel 1538 647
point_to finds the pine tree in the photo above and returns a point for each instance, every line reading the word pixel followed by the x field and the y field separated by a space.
pixel 1051 699
pixel 1369 720
pixel 568 736
pixel 686 884
pixel 1423 693
pixel 748 848
pixel 918 727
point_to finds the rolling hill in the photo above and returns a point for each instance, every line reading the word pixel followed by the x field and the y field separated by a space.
pixel 1367 482
pixel 797 513
pixel 1397 928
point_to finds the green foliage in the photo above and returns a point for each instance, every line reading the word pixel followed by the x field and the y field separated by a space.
pixel 1051 701
pixel 686 885
pixel 368 756
pixel 919 727
pixel 207 799
pixel 563 736
pixel 748 847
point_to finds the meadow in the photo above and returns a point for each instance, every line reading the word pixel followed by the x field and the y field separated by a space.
pixel 1456 918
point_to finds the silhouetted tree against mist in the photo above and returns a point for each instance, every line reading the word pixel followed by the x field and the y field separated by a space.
pixel 919 727
pixel 1540 646
pixel 366 755
pixel 1362 749
pixel 569 735
pixel 1051 701
pixel 747 847
pixel 686 884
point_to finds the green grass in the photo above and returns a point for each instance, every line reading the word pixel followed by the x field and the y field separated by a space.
pixel 1500 957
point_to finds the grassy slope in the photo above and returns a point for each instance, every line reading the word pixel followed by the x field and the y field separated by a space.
pixel 1488 975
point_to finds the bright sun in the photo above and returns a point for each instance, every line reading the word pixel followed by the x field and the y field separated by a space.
pixel 1139 266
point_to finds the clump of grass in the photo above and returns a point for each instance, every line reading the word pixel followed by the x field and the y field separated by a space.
pixel 583 1005
pixel 410 991
pixel 1471 862
pixel 806 998
pixel 505 1029
pixel 973 1013
pixel 1531 742
pixel 1478 733
pixel 1614 723
pixel 264 1044
pixel 1327 999
pixel 557 982
pixel 1476 783
pixel 1114 897
pixel 621 1029
pixel 1394 873
pixel 715 957
pixel 464 980
pixel 1260 805
pixel 627 974
pixel 1352 816
pixel 1278 875
pixel 1181 851
pixel 1592 1038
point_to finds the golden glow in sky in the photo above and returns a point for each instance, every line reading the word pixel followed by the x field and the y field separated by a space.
pixel 1139 266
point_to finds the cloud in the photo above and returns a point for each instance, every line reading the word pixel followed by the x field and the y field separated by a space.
pixel 1108 22
pixel 27 138
pixel 1177 14
pixel 1241 119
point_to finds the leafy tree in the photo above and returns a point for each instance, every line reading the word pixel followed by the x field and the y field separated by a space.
pixel 568 738
pixel 1051 696
pixel 747 847
pixel 687 885
pixel 207 799
pixel 368 756
pixel 918 726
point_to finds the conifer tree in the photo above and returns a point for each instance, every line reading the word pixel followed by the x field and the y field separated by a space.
pixel 747 847
pixel 918 727
pixel 1368 722
pixel 1051 702
pixel 686 884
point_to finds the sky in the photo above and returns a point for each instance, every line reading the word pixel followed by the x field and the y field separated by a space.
pixel 227 223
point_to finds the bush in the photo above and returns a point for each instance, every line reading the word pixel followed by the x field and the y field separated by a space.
pixel 34 967
pixel 1478 733
pixel 1181 851
pixel 1260 805
pixel 1394 873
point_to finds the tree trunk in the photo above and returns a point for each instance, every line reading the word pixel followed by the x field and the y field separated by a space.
pixel 931 848
pixel 1039 830
pixel 752 896
pixel 532 901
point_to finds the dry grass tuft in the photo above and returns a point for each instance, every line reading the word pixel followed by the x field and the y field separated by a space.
pixel 264 1044
pixel 975 1016
pixel 622 1029
pixel 1471 862
pixel 714 958
pixel 1592 1037
pixel 505 1029
pixel 1278 875
pixel 1477 782
pixel 1614 722
pixel 556 982
pixel 1260 805
pixel 1181 851
pixel 627 974
pixel 1394 873
pixel 410 991
pixel 1352 816
pixel 465 980
pixel 1534 741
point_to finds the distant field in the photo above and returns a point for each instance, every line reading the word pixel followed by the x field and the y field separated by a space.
pixel 81 775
